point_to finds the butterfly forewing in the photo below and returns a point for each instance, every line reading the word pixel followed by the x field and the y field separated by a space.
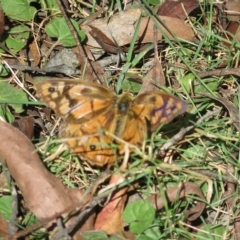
pixel 75 100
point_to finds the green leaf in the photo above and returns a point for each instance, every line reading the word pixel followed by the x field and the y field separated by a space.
pixel 154 2
pixel 196 151
pixel 5 207
pixel 17 38
pixel 143 237
pixel 15 45
pixel 18 9
pixel 58 28
pixel 187 81
pixel 11 95
pixel 3 71
pixel 211 84
pixel 131 85
pixel 50 5
pixel 97 235
pixel 6 114
pixel 21 29
pixel 153 233
pixel 209 232
pixel 140 214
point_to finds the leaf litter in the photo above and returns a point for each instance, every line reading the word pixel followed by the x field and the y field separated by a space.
pixel 45 194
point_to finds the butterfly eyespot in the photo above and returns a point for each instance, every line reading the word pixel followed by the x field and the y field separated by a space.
pixel 51 89
pixel 152 99
pixel 92 147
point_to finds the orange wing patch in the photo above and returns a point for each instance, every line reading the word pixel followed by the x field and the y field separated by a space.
pixel 89 109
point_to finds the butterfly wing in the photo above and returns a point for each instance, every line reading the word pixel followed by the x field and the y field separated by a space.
pixel 89 141
pixel 157 108
pixel 76 101
pixel 87 108
pixel 146 113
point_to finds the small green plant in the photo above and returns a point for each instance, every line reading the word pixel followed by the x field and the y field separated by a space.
pixel 19 10
pixel 58 28
pixel 10 95
pixel 140 216
pixel 5 207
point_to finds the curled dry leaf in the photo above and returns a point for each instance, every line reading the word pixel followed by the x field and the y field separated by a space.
pixel 176 193
pixel 232 30
pixel 121 27
pixel 154 77
pixel 107 44
pixel 177 9
pixel 110 217
pixel 25 125
pixel 45 195
pixel 233 9
pixel 233 111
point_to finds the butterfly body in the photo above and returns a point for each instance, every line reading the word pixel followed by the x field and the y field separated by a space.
pixel 89 110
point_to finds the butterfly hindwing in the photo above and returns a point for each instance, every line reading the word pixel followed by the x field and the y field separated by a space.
pixel 90 141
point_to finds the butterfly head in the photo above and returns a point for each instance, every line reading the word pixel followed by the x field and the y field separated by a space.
pixel 124 103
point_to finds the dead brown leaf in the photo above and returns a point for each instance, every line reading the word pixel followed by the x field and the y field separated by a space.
pixel 179 192
pixel 107 44
pixel 3 227
pixel 2 22
pixel 233 111
pixel 35 53
pixel 177 9
pixel 110 217
pixel 177 27
pixel 45 195
pixel 232 30
pixel 121 27
pixel 153 77
pixel 25 125
pixel 233 9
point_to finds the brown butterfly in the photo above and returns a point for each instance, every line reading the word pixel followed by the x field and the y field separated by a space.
pixel 88 109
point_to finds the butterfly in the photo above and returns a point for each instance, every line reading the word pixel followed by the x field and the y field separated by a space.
pixel 89 110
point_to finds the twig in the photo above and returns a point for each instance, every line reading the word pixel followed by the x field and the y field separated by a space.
pixel 12 229
pixel 183 131
pixel 62 232
pixel 217 72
